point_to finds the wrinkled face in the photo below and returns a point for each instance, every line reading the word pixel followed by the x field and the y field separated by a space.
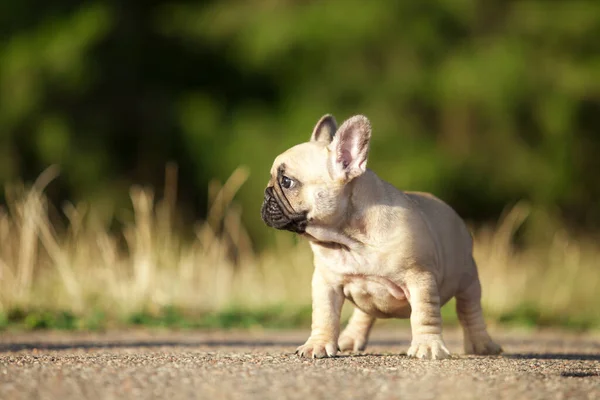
pixel 308 181
pixel 300 189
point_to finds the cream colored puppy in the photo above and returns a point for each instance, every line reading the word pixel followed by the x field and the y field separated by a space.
pixel 393 254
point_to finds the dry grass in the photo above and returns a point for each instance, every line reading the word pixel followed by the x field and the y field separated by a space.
pixel 560 279
pixel 146 266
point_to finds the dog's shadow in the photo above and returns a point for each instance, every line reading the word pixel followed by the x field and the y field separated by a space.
pixel 399 345
pixel 87 345
pixel 115 344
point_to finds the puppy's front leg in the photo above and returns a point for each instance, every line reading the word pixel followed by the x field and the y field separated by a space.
pixel 327 304
pixel 425 318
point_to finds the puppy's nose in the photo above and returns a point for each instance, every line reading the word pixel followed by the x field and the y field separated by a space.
pixel 269 191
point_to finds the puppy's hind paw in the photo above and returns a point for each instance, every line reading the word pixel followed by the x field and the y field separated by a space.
pixel 350 342
pixel 314 348
pixel 431 349
pixel 482 346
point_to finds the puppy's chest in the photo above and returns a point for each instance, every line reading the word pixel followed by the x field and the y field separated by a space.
pixel 371 282
pixel 343 262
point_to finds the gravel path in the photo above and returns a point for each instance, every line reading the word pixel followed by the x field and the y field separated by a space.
pixel 261 365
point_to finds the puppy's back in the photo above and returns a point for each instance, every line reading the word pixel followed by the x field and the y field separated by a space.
pixel 446 225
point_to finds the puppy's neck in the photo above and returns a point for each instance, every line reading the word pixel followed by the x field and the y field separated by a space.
pixel 351 232
pixel 329 238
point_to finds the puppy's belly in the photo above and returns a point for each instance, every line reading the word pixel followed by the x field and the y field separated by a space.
pixel 376 296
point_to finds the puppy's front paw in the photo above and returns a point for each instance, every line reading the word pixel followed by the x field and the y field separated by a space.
pixel 430 349
pixel 352 342
pixel 482 345
pixel 316 348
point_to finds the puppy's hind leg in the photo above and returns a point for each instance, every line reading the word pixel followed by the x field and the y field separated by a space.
pixel 356 334
pixel 468 307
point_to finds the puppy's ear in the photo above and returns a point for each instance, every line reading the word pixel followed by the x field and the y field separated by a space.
pixel 350 148
pixel 324 130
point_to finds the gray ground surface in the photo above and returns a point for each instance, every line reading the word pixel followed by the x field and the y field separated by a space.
pixel 261 365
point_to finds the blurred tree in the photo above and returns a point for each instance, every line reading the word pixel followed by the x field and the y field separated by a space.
pixel 483 103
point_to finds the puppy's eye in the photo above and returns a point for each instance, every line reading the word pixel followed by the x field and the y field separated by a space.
pixel 286 182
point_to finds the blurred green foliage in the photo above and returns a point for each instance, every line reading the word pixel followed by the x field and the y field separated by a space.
pixel 275 317
pixel 481 102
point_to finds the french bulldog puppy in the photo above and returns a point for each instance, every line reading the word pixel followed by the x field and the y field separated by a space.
pixel 393 254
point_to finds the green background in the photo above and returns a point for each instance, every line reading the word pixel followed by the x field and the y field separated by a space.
pixel 483 103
